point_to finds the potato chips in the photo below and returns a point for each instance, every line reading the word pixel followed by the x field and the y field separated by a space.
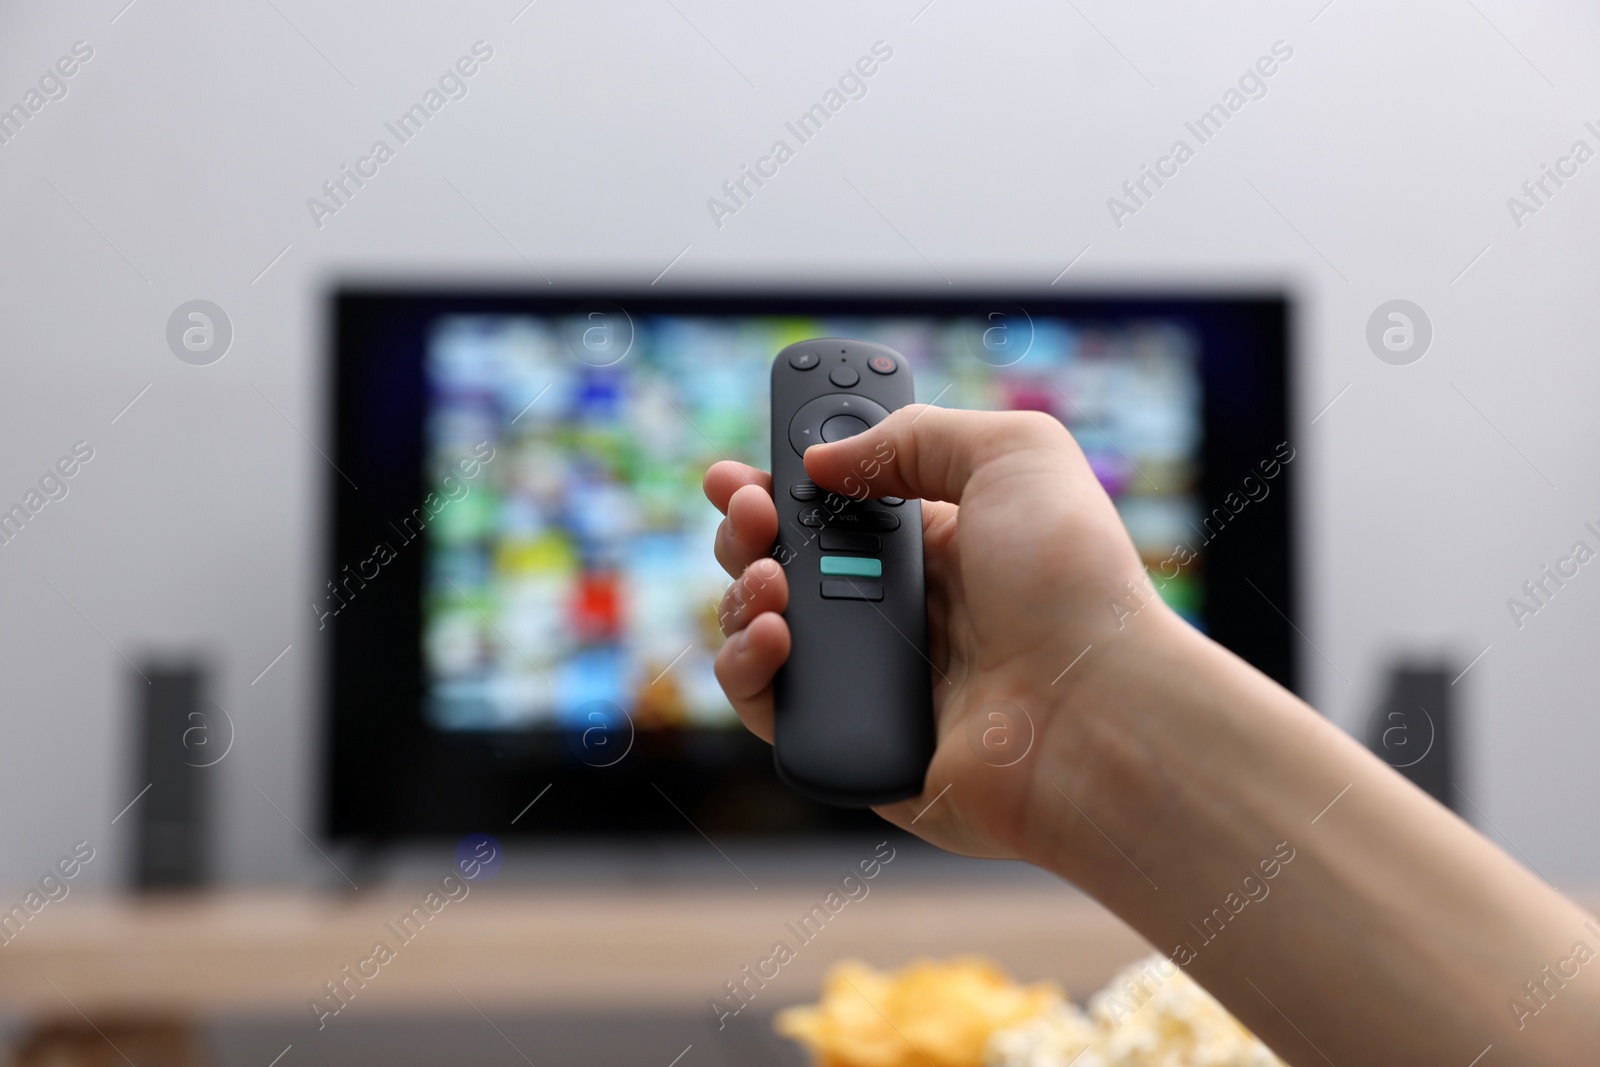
pixel 928 1012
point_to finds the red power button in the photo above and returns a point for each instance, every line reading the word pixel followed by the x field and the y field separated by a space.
pixel 882 364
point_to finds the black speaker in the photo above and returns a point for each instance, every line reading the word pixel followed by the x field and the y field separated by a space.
pixel 177 748
pixel 1414 728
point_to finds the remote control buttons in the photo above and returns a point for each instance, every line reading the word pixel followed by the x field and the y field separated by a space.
pixel 882 364
pixel 843 377
pixel 892 501
pixel 803 360
pixel 805 429
pixel 848 541
pixel 848 590
pixel 841 426
pixel 849 519
pixel 852 566
pixel 804 490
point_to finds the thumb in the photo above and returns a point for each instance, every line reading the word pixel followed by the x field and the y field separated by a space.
pixel 927 453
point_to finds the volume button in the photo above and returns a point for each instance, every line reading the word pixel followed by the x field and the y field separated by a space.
pixel 850 518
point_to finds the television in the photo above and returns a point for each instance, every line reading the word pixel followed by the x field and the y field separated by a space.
pixel 520 604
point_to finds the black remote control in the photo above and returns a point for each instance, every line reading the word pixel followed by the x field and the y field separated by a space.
pixel 853 719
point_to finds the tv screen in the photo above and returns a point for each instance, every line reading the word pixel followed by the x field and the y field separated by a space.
pixel 524 593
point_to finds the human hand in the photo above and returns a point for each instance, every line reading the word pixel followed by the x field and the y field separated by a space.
pixel 1023 552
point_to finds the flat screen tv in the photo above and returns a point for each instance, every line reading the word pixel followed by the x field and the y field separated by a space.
pixel 521 597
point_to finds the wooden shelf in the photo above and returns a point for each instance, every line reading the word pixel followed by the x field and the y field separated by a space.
pixel 656 949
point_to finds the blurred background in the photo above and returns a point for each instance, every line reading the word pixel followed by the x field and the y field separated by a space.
pixel 1394 154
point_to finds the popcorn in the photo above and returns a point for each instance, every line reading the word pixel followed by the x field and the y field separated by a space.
pixel 928 1012
pixel 1055 1038
pixel 1150 1015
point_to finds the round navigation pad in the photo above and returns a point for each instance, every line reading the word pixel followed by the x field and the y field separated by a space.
pixel 841 426
pixel 843 415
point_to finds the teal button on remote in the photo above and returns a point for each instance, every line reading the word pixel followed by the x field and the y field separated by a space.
pixel 852 566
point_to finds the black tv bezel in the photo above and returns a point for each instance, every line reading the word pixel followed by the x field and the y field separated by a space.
pixel 389 776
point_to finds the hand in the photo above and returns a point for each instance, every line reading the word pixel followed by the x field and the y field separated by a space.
pixel 1024 557
pixel 1163 770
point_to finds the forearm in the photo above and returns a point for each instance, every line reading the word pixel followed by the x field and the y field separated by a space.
pixel 1335 909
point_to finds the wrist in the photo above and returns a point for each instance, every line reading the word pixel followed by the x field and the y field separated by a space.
pixel 1121 731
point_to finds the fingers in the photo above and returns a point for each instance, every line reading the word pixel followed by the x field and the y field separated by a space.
pixel 745 667
pixel 748 660
pixel 761 588
pixel 758 642
pixel 743 494
pixel 746 535
pixel 723 479
pixel 927 452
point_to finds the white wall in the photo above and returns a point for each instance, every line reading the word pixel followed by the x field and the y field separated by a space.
pixel 592 139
